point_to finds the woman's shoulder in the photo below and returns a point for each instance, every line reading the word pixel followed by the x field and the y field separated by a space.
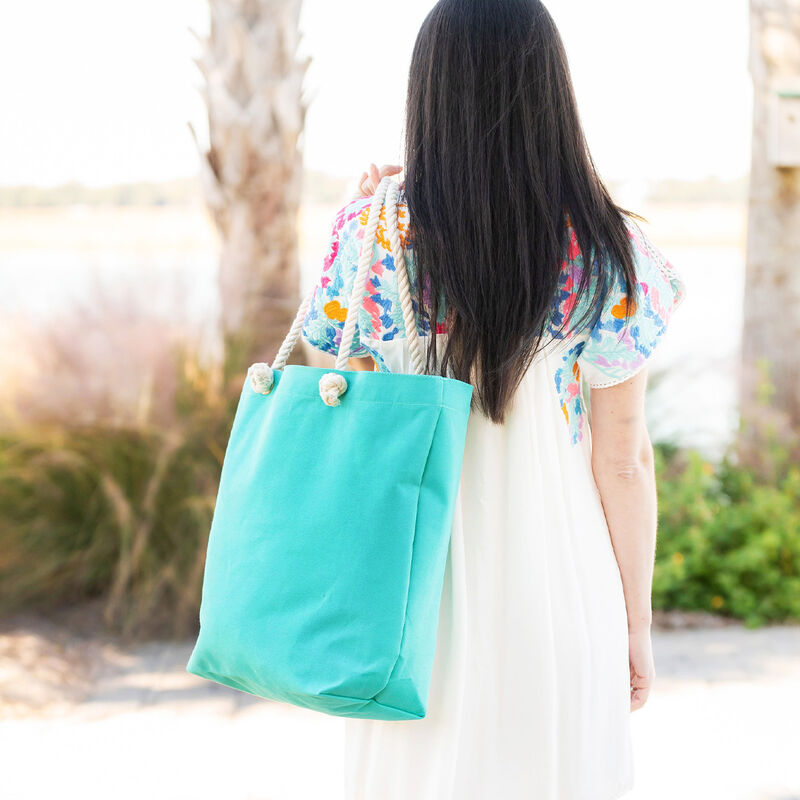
pixel 380 316
pixel 348 218
pixel 351 219
pixel 654 271
pixel 658 283
pixel 347 235
pixel 629 328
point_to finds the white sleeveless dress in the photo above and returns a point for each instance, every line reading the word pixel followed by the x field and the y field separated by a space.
pixel 530 691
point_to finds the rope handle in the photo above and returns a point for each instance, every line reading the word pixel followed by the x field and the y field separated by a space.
pixel 362 274
pixel 403 285
pixel 387 193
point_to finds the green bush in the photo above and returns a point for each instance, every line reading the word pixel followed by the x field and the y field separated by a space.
pixel 729 534
pixel 120 514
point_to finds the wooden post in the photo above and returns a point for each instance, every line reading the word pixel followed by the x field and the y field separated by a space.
pixel 771 333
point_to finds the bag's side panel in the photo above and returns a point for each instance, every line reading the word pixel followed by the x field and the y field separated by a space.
pixel 311 546
pixel 409 683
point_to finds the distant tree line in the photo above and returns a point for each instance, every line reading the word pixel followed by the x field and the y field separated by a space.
pixel 182 191
pixel 318 187
pixel 709 190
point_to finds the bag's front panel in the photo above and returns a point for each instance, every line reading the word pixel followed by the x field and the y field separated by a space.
pixel 311 546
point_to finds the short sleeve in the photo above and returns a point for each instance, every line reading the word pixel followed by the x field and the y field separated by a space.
pixel 324 321
pixel 615 348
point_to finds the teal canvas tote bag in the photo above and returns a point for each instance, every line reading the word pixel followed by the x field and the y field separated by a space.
pixel 326 556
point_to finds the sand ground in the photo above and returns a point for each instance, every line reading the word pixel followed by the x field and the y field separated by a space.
pixel 86 717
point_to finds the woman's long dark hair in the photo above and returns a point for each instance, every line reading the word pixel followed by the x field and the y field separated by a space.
pixel 494 156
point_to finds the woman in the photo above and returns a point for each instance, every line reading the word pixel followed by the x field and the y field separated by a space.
pixel 544 631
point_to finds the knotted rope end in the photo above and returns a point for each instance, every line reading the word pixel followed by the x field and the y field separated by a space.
pixel 262 378
pixel 332 386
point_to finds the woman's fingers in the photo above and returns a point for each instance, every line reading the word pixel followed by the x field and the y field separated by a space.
pixel 374 176
pixel 639 695
pixel 642 668
pixel 363 187
pixel 389 169
pixel 370 180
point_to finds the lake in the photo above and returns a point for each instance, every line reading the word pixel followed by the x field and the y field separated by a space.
pixel 96 268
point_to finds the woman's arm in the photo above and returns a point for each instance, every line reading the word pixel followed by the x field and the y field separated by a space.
pixel 622 463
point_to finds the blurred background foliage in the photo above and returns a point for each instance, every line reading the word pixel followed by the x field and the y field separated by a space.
pixel 119 514
pixel 729 532
pixel 728 542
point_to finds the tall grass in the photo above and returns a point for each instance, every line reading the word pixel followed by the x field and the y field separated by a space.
pixel 115 512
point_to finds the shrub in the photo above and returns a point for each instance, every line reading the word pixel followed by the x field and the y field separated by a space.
pixel 122 513
pixel 729 534
pixel 118 513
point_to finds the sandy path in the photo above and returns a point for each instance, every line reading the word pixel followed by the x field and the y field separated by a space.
pixel 89 719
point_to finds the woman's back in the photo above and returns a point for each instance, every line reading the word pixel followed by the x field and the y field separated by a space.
pixel 530 691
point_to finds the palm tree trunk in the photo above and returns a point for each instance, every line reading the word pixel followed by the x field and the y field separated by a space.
pixel 253 169
pixel 772 284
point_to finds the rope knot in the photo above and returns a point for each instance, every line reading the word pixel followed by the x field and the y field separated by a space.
pixel 262 379
pixel 332 386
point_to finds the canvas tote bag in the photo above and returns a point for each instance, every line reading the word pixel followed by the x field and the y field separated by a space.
pixel 326 556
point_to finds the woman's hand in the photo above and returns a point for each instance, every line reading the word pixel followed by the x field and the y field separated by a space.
pixel 643 672
pixel 370 180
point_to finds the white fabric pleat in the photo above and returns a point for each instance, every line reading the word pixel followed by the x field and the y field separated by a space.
pixel 529 694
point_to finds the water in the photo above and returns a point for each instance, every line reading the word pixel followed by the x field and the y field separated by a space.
pixel 114 268
pixel 695 401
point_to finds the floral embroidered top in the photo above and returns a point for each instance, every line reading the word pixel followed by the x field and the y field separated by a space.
pixel 608 353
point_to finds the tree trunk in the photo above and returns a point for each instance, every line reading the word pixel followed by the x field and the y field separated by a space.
pixel 253 170
pixel 772 285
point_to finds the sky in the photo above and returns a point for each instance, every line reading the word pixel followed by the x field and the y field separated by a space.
pixel 102 91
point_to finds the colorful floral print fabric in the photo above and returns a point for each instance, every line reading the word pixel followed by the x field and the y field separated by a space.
pixel 611 351
pixel 615 348
pixel 380 317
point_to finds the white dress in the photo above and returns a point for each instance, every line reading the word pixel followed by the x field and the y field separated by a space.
pixel 530 691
